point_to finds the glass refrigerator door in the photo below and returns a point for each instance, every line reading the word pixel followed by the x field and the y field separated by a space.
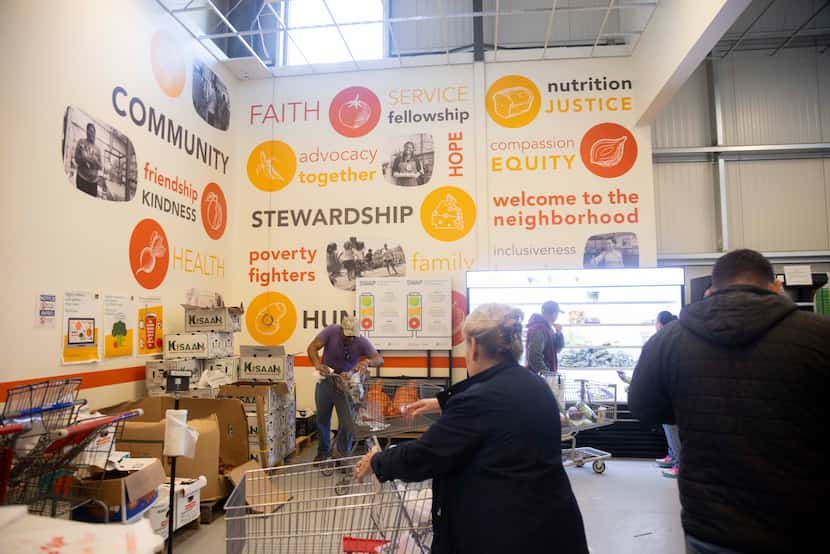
pixel 606 315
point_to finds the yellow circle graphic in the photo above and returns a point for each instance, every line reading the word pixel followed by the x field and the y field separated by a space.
pixel 271 165
pixel 448 213
pixel 513 101
pixel 271 318
pixel 168 64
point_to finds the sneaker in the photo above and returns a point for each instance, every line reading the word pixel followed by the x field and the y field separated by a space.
pixel 672 473
pixel 321 456
pixel 666 462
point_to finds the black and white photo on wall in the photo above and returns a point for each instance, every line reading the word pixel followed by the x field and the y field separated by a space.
pixel 611 251
pixel 98 159
pixel 353 257
pixel 411 160
pixel 210 97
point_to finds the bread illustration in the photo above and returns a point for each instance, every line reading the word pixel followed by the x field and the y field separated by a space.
pixel 512 102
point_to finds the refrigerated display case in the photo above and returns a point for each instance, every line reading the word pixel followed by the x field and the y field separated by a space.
pixel 606 314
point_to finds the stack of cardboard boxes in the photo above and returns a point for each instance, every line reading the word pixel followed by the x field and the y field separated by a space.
pixel 266 389
pixel 205 349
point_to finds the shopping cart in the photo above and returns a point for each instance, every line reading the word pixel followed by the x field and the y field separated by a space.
pixel 298 510
pixel 50 461
pixel 377 412
pixel 583 405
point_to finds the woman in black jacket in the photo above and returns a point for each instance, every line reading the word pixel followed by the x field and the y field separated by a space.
pixel 493 455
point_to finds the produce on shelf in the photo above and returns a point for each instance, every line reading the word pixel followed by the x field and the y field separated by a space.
pixel 595 356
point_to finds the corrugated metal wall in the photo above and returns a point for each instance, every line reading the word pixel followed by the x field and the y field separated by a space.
pixel 685 201
pixel 771 99
pixel 772 205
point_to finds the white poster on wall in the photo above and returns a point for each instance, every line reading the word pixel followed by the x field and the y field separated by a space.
pixel 46 310
pixel 367 175
pixel 118 329
pixel 569 173
pixel 80 326
pixel 405 314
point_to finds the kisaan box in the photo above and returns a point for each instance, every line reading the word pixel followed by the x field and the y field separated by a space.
pixel 224 319
pixel 198 345
pixel 265 363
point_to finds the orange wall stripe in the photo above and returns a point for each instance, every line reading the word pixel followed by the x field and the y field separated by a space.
pixel 416 362
pixel 90 379
pixel 93 379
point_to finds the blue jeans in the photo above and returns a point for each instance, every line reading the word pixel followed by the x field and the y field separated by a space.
pixel 697 546
pixel 673 438
pixel 328 396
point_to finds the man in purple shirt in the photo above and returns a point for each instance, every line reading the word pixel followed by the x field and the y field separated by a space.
pixel 343 353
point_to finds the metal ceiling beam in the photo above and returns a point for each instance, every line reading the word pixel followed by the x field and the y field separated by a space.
pixel 340 32
pixel 602 27
pixel 792 36
pixel 749 28
pixel 288 34
pixel 549 29
pixel 478 32
pixel 232 28
pixel 444 29
pixel 496 32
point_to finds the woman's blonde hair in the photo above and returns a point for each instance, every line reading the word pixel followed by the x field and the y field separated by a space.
pixel 497 328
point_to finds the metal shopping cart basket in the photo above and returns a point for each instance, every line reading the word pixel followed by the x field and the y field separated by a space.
pixel 583 405
pixel 50 461
pixel 296 509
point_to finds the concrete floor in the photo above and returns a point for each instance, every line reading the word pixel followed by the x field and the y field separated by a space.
pixel 629 509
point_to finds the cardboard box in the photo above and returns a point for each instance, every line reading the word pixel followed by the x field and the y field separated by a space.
pixel 256 397
pixel 265 363
pixel 187 499
pixel 225 319
pixel 127 494
pixel 228 365
pixel 198 345
pixel 156 371
pixel 255 423
pixel 257 488
pixel 218 450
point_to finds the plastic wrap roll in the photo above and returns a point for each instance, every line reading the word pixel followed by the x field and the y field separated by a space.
pixel 179 439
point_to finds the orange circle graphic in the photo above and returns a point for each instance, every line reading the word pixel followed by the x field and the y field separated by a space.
pixel 354 112
pixel 214 211
pixel 448 213
pixel 271 165
pixel 271 318
pixel 149 253
pixel 168 63
pixel 513 101
pixel 608 150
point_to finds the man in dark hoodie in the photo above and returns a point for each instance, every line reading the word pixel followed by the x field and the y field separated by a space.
pixel 744 375
pixel 544 339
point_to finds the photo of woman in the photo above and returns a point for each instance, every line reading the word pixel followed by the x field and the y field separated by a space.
pixel 412 163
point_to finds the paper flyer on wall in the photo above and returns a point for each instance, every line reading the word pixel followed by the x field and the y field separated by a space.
pixel 46 310
pixel 150 325
pixel 118 340
pixel 80 318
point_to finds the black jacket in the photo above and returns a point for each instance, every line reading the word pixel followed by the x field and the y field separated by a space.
pixel 495 460
pixel 744 374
